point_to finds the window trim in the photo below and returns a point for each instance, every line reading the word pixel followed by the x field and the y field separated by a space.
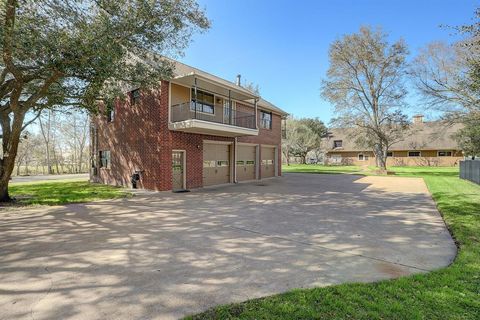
pixel 262 120
pixel 110 112
pixel 419 154
pixel 134 99
pixel 446 155
pixel 109 159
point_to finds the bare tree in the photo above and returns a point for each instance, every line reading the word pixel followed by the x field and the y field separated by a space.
pixel 441 74
pixel 46 128
pixel 75 131
pixel 365 83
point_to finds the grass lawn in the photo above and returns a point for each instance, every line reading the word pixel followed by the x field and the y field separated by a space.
pixel 448 293
pixel 62 192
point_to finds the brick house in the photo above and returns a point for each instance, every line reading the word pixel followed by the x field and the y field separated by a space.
pixel 425 144
pixel 192 131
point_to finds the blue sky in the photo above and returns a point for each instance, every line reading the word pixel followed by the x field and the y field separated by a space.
pixel 283 45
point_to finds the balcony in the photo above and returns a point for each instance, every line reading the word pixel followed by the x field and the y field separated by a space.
pixel 212 120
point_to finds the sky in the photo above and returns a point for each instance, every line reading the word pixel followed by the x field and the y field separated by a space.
pixel 283 45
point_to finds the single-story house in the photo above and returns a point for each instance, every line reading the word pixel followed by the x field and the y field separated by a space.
pixel 424 144
pixel 194 130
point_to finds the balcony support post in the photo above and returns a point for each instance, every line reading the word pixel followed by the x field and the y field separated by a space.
pixel 229 108
pixel 256 116
pixel 195 94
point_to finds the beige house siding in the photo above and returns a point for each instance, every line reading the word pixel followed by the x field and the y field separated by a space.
pixel 400 158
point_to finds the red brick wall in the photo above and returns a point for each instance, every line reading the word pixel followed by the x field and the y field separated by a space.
pixel 139 139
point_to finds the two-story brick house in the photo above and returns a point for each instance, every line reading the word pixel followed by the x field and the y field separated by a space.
pixel 192 131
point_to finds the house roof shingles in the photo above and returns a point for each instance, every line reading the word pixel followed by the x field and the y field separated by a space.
pixel 434 135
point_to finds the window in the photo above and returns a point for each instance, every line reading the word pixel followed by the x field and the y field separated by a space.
pixel 135 96
pixel 414 153
pixel 265 120
pixel 360 157
pixel 105 159
pixel 209 163
pixel 110 111
pixel 240 162
pixel 222 163
pixel 444 153
pixel 205 102
pixel 250 162
pixel 337 143
pixel 389 154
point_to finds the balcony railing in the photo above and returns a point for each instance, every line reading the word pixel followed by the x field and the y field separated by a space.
pixel 186 111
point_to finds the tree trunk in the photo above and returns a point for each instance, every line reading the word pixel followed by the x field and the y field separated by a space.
pixel 11 139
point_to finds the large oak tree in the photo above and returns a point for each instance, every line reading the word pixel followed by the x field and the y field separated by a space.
pixel 365 83
pixel 76 52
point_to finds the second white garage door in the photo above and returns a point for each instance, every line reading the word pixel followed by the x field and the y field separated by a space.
pixel 216 164
pixel 268 162
pixel 246 163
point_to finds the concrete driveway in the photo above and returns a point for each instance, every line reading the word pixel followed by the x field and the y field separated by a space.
pixel 165 255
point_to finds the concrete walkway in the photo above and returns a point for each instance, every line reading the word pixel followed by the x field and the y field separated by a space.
pixel 165 255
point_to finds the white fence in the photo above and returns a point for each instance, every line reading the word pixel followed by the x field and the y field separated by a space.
pixel 470 170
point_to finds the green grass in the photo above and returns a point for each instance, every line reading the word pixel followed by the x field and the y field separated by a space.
pixel 448 293
pixel 62 192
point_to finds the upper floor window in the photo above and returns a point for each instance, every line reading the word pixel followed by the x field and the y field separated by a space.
pixel 444 153
pixel 135 96
pixel 414 153
pixel 265 120
pixel 110 111
pixel 337 143
pixel 105 161
pixel 204 102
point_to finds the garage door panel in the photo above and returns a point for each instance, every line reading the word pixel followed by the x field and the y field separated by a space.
pixel 216 164
pixel 268 162
pixel 246 163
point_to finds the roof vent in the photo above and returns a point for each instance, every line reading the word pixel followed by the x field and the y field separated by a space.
pixel 418 119
pixel 239 80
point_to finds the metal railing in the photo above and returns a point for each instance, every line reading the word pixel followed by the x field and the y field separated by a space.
pixel 186 111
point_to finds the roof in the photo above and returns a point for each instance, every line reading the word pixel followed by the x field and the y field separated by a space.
pixel 182 70
pixel 434 135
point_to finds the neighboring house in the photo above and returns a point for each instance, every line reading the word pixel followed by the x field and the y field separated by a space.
pixel 424 144
pixel 192 131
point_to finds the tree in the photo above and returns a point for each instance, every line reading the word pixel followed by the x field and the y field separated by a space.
pixel 469 137
pixel 447 76
pixel 77 52
pixel 365 83
pixel 302 136
pixel 441 74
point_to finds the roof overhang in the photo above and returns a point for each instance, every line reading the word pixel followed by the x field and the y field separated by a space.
pixel 214 85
